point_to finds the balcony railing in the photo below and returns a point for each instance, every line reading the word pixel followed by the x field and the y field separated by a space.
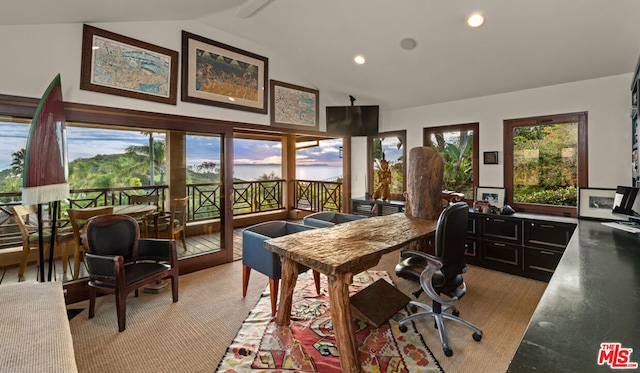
pixel 248 197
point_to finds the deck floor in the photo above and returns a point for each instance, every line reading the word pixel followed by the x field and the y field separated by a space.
pixel 195 245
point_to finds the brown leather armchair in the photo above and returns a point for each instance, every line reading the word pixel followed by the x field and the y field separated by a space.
pixel 119 261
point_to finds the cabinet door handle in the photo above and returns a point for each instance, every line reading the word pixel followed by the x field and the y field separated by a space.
pixel 546 252
pixel 498 220
pixel 499 244
pixel 546 226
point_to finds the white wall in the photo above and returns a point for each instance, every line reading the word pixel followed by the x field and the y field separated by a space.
pixel 32 55
pixel 606 100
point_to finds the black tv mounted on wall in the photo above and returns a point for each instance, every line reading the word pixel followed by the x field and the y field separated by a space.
pixel 345 121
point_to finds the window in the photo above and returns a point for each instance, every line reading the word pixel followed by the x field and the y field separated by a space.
pixel 458 146
pixel 545 162
pixel 388 146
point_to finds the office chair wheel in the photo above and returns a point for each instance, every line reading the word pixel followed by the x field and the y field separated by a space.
pixel 455 313
pixel 448 351
pixel 403 328
pixel 477 337
pixel 413 308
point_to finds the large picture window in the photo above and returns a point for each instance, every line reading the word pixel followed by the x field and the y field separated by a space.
pixel 546 162
pixel 458 146
pixel 388 146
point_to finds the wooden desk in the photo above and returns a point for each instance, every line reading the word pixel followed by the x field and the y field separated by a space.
pixel 340 252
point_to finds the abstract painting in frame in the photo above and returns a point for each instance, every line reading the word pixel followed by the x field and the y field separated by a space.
pixel 123 66
pixel 293 106
pixel 221 75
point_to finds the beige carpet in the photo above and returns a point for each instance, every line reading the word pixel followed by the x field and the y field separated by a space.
pixel 192 334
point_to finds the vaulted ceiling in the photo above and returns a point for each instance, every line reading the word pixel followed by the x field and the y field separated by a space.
pixel 523 44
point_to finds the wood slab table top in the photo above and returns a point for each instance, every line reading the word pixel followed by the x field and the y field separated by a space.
pixel 340 252
pixel 347 246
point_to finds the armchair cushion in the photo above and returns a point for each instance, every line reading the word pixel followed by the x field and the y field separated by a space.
pixel 254 254
pixel 329 218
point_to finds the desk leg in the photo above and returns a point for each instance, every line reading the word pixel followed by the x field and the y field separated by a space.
pixel 289 278
pixel 342 322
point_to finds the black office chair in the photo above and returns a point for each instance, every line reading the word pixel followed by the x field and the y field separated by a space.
pixel 440 274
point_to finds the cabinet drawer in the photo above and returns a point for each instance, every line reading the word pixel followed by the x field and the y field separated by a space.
pixel 500 229
pixel 502 256
pixel 471 254
pixel 472 226
pixel 540 263
pixel 547 235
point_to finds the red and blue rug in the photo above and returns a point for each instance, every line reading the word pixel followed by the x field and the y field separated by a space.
pixel 309 345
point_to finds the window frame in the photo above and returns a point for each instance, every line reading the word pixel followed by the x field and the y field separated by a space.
pixel 475 128
pixel 371 173
pixel 583 161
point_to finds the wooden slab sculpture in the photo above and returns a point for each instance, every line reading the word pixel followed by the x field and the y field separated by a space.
pixel 423 198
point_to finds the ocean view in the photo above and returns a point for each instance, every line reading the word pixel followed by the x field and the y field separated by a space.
pixel 250 172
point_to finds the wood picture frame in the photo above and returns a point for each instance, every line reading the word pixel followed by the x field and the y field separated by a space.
pixel 123 66
pixel 597 204
pixel 490 157
pixel 293 106
pixel 218 74
pixel 495 196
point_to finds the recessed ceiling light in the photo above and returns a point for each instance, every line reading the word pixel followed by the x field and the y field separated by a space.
pixel 475 20
pixel 359 59
pixel 408 44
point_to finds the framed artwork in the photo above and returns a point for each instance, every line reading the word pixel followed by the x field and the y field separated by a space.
pixel 221 75
pixel 597 204
pixel 293 106
pixel 123 66
pixel 495 196
pixel 490 157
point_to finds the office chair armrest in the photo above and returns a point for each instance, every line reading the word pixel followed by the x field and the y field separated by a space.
pixel 157 249
pixel 426 277
pixel 407 253
pixel 104 266
pixel 426 282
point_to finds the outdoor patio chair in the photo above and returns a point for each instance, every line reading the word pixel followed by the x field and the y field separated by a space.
pixel 27 220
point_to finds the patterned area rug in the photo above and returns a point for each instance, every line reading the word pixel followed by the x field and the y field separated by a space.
pixel 309 345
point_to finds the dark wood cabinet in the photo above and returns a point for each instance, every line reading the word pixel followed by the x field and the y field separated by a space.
pixel 501 243
pixel 544 244
pixel 502 229
pixel 473 247
pixel 547 235
pixel 502 256
pixel 375 207
pixel 518 245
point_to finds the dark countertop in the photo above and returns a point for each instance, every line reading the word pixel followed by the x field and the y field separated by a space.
pixel 592 298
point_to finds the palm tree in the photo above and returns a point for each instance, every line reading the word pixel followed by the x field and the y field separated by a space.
pixel 17 163
pixel 156 152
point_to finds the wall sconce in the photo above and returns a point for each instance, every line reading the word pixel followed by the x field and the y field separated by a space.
pixel 340 152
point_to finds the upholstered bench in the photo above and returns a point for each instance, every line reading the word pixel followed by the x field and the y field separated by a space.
pixel 35 329
pixel 328 219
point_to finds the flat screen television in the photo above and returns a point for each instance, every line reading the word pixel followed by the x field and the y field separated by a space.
pixel 344 121
pixel 625 202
